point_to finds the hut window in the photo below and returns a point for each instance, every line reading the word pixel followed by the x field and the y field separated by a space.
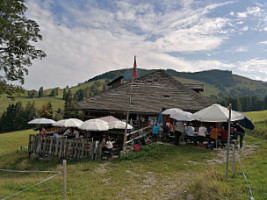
pixel 166 96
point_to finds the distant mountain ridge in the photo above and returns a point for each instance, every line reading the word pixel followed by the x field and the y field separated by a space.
pixel 226 83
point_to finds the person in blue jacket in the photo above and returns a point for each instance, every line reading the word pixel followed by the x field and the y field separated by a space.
pixel 155 131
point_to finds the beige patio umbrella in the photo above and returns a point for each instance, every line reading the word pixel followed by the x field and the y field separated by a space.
pixel 41 121
pixel 94 125
pixel 71 122
pixel 119 125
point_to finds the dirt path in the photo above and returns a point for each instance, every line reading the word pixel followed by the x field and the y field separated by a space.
pixel 152 185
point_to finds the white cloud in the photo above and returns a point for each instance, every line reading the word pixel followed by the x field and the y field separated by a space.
pixel 88 42
pixel 251 11
pixel 253 65
pixel 241 49
pixel 245 28
pixel 263 42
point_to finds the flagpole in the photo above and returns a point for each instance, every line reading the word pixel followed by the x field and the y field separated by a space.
pixel 129 107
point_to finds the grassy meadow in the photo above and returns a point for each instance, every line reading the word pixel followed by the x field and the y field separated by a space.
pixel 257 116
pixel 158 172
pixel 57 102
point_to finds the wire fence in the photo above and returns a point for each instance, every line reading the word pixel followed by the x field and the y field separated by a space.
pixel 55 174
pixel 244 174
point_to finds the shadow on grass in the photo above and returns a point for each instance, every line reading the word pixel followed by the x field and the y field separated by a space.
pixel 18 160
pixel 160 150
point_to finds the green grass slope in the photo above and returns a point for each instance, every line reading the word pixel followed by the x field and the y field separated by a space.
pixel 257 116
pixel 56 102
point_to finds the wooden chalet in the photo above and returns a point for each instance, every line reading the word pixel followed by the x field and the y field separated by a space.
pixel 150 94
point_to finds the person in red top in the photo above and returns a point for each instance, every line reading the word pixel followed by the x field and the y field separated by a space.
pixel 224 136
pixel 137 147
pixel 42 132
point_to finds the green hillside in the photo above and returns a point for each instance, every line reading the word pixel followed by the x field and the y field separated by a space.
pixel 57 102
pixel 218 84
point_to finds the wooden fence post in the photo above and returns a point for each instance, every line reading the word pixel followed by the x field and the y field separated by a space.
pixel 234 161
pixel 65 179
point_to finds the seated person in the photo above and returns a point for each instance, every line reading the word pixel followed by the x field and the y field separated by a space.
pixel 137 147
pixel 76 133
pixel 214 133
pixel 209 128
pixel 190 133
pixel 166 130
pixel 42 132
pixel 55 135
pixel 202 132
pixel 67 132
pixel 108 145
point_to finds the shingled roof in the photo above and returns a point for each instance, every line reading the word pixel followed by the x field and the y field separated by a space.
pixel 150 94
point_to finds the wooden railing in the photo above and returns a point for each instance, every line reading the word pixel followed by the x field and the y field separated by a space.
pixel 135 134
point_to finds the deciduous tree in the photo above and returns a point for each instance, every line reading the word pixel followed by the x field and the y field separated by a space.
pixel 17 35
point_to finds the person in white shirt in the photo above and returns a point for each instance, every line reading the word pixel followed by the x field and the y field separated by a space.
pixel 202 132
pixel 108 145
pixel 76 134
pixel 67 132
pixel 179 130
pixel 190 133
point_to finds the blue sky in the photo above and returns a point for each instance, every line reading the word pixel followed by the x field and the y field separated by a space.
pixel 85 38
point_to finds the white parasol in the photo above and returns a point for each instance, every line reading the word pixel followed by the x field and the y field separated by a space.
pixel 216 113
pixel 41 121
pixel 119 125
pixel 178 114
pixel 71 122
pixel 94 125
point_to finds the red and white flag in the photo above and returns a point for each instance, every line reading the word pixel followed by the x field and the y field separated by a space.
pixel 134 69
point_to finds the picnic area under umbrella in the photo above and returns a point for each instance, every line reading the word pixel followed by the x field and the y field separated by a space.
pixel 217 113
pixel 94 125
pixel 71 122
pixel 41 121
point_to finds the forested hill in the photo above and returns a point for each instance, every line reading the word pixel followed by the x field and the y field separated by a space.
pixel 219 83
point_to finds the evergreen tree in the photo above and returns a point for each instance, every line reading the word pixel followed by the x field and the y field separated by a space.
pixel 265 102
pixel 70 107
pixel 41 92
pixel 30 112
pixel 54 92
pixel 7 119
pixel 64 94
pixel 18 118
